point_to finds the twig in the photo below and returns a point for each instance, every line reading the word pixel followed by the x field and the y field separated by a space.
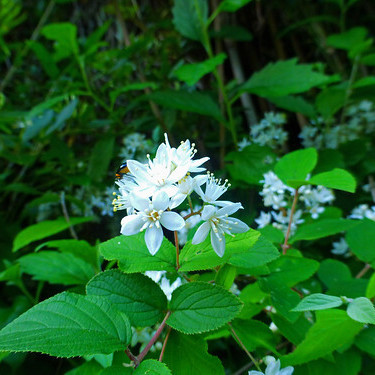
pixel 153 339
pixel 177 250
pixel 66 215
pixel 244 348
pixel 363 271
pixel 132 357
pixel 164 344
pixel 372 187
pixel 192 214
pixel 285 245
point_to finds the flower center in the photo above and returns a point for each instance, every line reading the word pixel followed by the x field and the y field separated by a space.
pixel 154 215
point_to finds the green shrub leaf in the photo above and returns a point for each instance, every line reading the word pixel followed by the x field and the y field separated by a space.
pixel 362 310
pixel 336 179
pixel 152 367
pixel 318 301
pixel 361 240
pixel 200 307
pixel 68 325
pixel 136 295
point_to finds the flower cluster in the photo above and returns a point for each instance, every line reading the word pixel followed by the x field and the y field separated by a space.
pixel 151 191
pixel 359 121
pixel 135 145
pixel 269 132
pixel 279 196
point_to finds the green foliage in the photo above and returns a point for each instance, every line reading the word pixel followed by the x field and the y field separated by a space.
pixel 200 307
pixel 152 367
pixel 124 291
pixel 362 310
pixel 318 301
pixel 361 240
pixel 68 325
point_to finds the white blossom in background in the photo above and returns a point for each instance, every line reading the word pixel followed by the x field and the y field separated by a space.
pixel 135 146
pixel 340 247
pixel 269 132
pixel 278 196
pixel 359 122
pixel 165 284
pixel 273 368
pixel 151 191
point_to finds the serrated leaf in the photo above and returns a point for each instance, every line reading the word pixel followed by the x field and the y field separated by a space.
pixel 68 325
pixel 296 165
pixel 192 73
pixel 322 228
pixel 133 255
pixel 195 102
pixel 254 334
pixel 336 179
pixel 57 268
pixel 333 330
pixel 284 78
pixel 200 307
pixel 189 18
pixel 318 301
pixel 187 355
pixel 152 367
pixel 361 240
pixel 45 229
pixel 362 310
pixel 136 295
pixel 202 256
pixel 260 254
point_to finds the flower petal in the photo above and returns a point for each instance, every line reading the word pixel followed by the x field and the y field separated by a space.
pixel 131 225
pixel 218 244
pixel 229 209
pixel 237 226
pixel 177 200
pixel 172 220
pixel 139 202
pixel 208 211
pixel 138 170
pixel 153 238
pixel 201 233
pixel 160 201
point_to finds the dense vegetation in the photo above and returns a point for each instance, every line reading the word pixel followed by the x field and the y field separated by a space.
pixel 279 94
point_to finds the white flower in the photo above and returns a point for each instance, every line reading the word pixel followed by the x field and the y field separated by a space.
pixel 273 368
pixel 340 248
pixel 264 219
pixel 359 212
pixel 165 285
pixel 214 190
pixel 150 215
pixel 218 222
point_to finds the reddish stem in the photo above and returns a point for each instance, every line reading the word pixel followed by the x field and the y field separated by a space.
pixel 152 341
pixel 164 344
pixel 294 205
pixel 363 271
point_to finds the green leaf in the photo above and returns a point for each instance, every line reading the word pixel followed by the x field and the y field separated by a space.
pixel 295 331
pixel 187 355
pixel 45 59
pixel 65 37
pixel 362 310
pixel 336 179
pixel 37 124
pixel 202 256
pixel 333 273
pixel 254 334
pixel 330 100
pixel 250 164
pixel 322 228
pixel 45 229
pixel 136 295
pixel 284 78
pixel 368 59
pixel 88 368
pixel 348 39
pixel 370 290
pixel 192 73
pixel 190 17
pixel 333 330
pixel 296 165
pixel 294 104
pixel 57 268
pixel 361 240
pixel 133 255
pixel 232 5
pixel 272 234
pixel 62 116
pixel 200 307
pixel 261 253
pixel 68 325
pixel 100 158
pixel 115 370
pixel 152 367
pixel 195 102
pixel 366 340
pixel 318 301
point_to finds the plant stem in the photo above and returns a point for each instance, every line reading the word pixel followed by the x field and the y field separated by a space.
pixel 66 215
pixel 164 344
pixel 132 357
pixel 363 271
pixel 153 339
pixel 190 204
pixel 294 205
pixel 192 214
pixel 243 347
pixel 177 250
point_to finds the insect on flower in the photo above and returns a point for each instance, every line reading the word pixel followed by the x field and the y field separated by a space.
pixel 122 170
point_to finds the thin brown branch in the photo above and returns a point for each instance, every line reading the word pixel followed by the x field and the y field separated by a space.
pixel 285 246
pixel 363 271
pixel 164 344
pixel 66 215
